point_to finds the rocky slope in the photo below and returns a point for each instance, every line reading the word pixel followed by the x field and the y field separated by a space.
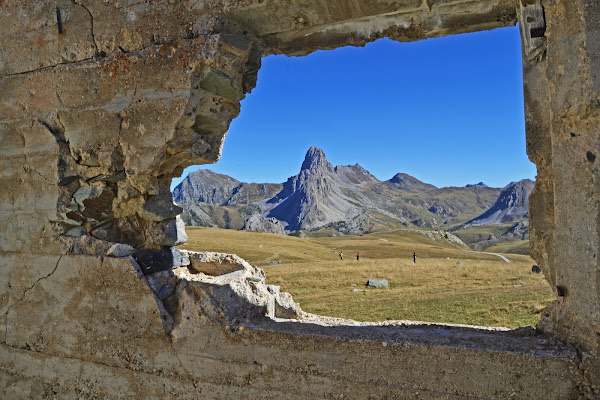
pixel 408 183
pixel 343 199
pixel 205 186
pixel 258 223
pixel 512 205
pixel 315 198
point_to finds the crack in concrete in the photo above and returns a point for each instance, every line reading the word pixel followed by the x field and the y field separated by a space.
pixel 92 25
pixel 133 53
pixel 177 355
pixel 5 315
pixel 44 178
pixel 31 71
pixel 59 99
pixel 58 133
pixel 83 360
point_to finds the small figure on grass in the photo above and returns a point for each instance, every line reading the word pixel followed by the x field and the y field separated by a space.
pixel 357 256
pixel 414 257
pixel 341 256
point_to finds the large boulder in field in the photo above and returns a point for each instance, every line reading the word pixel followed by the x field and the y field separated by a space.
pixel 377 283
pixel 258 223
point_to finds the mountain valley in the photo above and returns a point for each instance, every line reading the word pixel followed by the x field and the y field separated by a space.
pixel 323 200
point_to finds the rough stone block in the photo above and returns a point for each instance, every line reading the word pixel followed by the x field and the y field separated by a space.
pixel 274 289
pixel 85 307
pixel 377 283
pixel 75 43
pixel 157 208
pixel 33 93
pixel 152 260
pixel 285 306
pixel 167 233
pixel 32 186
pixel 91 136
pixel 95 203
pixel 222 85
pixel 120 250
pixel 214 264
pixel 30 233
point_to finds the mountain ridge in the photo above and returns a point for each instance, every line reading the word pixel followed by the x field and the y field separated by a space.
pixel 342 199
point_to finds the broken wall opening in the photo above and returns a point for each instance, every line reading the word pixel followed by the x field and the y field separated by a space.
pixel 351 102
pixel 91 75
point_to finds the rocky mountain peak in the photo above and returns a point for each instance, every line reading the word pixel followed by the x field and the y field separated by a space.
pixel 205 186
pixel 315 159
pixel 354 174
pixel 343 198
pixel 512 205
pixel 407 182
pixel 476 185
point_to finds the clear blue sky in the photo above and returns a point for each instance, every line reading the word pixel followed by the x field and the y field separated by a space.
pixel 448 111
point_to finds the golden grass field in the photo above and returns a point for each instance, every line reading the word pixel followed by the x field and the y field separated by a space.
pixel 484 290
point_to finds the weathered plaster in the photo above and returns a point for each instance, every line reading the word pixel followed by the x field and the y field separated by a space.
pixel 96 120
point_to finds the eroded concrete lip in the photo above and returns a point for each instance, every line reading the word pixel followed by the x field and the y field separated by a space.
pixel 412 333
pixel 241 300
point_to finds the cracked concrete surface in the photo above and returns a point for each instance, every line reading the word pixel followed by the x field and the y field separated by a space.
pixel 96 120
pixel 23 295
pixel 91 25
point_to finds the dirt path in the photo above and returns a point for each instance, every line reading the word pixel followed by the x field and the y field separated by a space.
pixel 492 254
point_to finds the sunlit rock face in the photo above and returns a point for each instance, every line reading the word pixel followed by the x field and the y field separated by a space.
pixel 102 103
pixel 314 197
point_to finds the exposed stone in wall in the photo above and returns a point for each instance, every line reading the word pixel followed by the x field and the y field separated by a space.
pixel 104 102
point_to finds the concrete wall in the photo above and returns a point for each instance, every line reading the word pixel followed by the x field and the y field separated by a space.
pixel 102 103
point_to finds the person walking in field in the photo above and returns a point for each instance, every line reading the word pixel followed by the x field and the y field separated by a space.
pixel 341 256
pixel 414 257
pixel 357 256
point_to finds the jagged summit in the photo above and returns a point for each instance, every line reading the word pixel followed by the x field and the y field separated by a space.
pixel 314 197
pixel 315 158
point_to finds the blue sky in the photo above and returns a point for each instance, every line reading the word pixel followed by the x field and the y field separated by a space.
pixel 448 111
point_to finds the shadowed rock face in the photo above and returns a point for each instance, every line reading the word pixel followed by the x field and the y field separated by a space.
pixel 205 186
pixel 512 205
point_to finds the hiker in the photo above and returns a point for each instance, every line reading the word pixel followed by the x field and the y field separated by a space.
pixel 357 256
pixel 414 257
pixel 341 256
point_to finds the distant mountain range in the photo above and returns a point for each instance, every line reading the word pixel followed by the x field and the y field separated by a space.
pixel 345 200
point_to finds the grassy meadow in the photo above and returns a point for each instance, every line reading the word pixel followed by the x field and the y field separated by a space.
pixel 445 285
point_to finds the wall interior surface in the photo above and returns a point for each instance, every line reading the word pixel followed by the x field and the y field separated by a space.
pixel 102 103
